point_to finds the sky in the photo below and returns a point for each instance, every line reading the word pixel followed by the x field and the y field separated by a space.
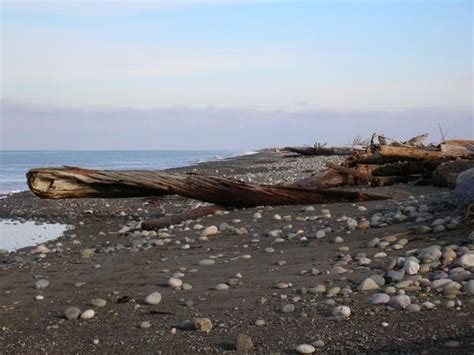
pixel 228 74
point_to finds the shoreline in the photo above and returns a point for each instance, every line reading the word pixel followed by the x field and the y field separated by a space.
pixel 294 271
pixel 4 194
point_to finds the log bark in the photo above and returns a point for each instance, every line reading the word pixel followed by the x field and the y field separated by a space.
pixel 441 176
pixel 360 176
pixel 166 221
pixel 70 182
pixel 408 153
pixel 324 179
pixel 314 151
pixel 407 168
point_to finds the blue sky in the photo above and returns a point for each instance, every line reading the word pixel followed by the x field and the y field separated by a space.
pixel 317 59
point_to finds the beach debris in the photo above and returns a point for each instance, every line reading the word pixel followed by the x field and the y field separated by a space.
pixel 70 182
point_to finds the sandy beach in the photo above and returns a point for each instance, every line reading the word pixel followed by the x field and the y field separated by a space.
pixel 381 276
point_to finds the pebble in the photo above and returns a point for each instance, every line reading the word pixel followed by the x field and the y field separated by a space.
pixel 88 314
pixel 98 302
pixel 379 298
pixel 411 267
pixel 351 223
pixel 451 344
pixel 87 253
pixel 318 343
pixel 211 230
pixel 174 282
pixel 368 285
pixel 221 287
pixel 439 228
pixel 257 215
pixel 333 291
pixel 207 262
pixel 400 301
pixel 305 349
pixel 288 308
pixel 428 305
pixel 153 298
pixel 39 297
pixel 320 234
pixel 413 307
pixel 42 283
pixel 467 261
pixel 469 287
pixel 202 325
pixel 260 322
pixel 72 313
pixel 145 325
pixel 341 312
pixel 243 343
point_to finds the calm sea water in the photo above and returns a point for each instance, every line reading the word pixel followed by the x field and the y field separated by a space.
pixel 15 164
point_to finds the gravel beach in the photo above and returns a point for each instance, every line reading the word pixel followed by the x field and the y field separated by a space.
pixel 393 276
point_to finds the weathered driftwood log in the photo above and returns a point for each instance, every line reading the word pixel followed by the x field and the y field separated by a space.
pixel 407 168
pixel 166 221
pixel 319 150
pixel 361 177
pixel 442 174
pixel 69 182
pixel 324 179
pixel 408 153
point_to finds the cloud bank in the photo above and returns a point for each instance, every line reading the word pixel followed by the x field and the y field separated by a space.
pixel 26 126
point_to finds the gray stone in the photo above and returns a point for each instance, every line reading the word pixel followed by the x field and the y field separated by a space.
pixel 72 313
pixel 400 301
pixel 379 298
pixel 98 302
pixel 42 283
pixel 153 298
pixel 288 308
pixel 305 349
pixel 243 343
pixel 368 285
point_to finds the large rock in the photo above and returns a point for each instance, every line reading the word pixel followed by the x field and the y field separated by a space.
pixel 464 190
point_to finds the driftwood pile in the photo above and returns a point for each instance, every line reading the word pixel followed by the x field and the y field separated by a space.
pixel 382 164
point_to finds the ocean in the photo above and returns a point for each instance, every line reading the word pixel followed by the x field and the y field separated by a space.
pixel 15 164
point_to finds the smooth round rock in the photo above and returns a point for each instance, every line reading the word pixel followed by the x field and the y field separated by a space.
pixel 153 298
pixel 88 314
pixel 341 312
pixel 203 325
pixel 72 313
pixel 400 301
pixel 368 284
pixel 379 298
pixel 145 325
pixel 305 349
pixel 211 230
pixel 288 308
pixel 221 287
pixel 467 261
pixel 243 343
pixel 207 262
pixel 174 282
pixel 411 267
pixel 42 283
pixel 98 302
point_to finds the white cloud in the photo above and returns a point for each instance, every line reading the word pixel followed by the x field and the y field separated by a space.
pixel 27 126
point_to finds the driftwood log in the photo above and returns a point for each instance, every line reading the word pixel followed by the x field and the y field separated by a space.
pixel 409 153
pixel 70 182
